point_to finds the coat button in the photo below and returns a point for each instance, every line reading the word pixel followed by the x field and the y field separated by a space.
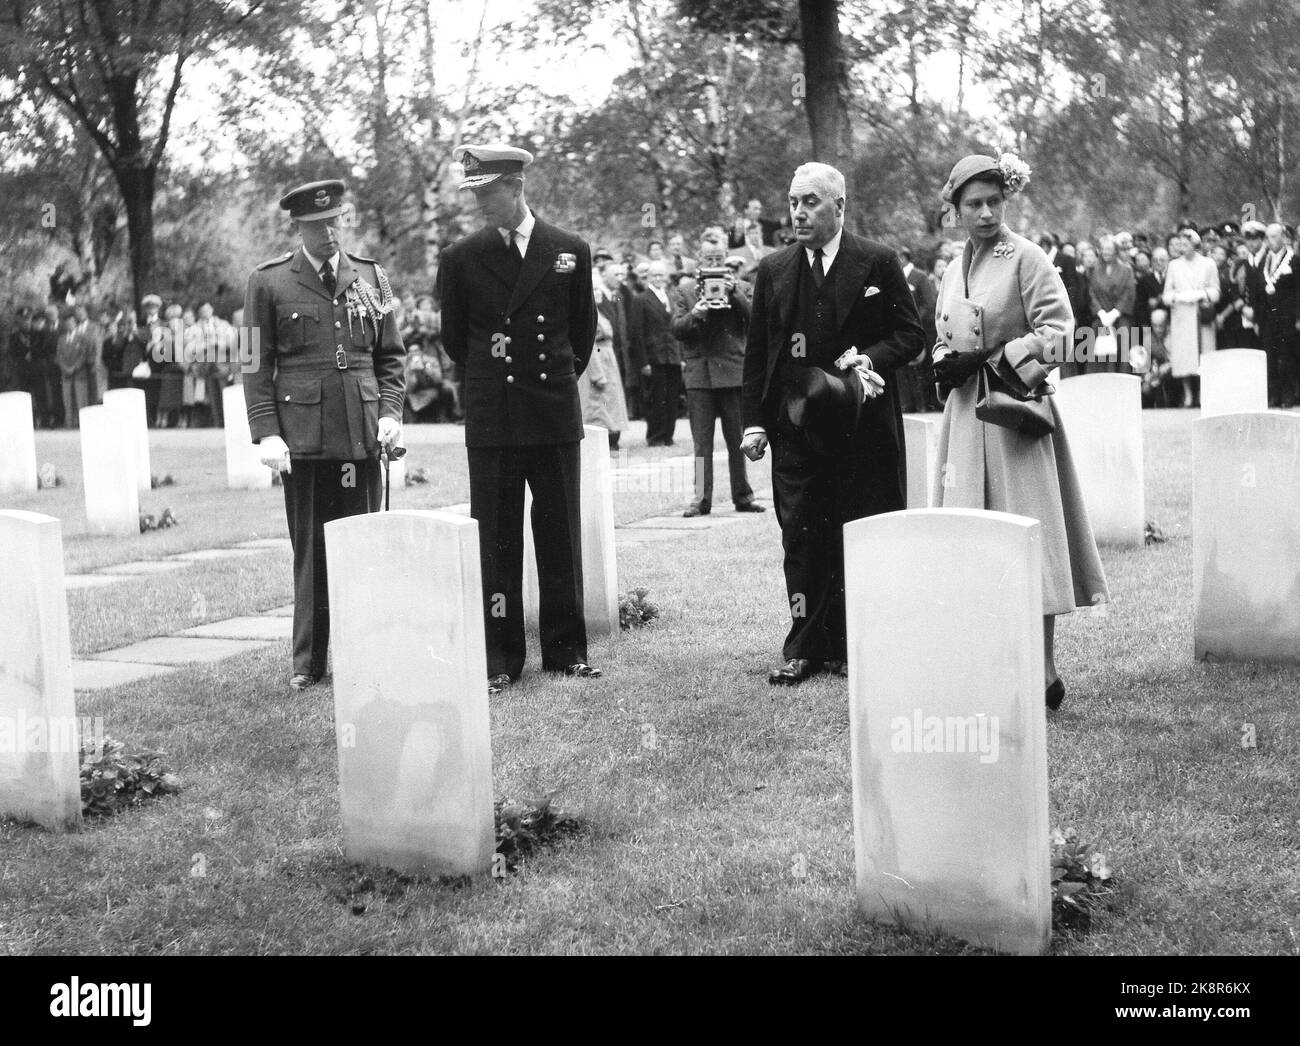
pixel 542 376
pixel 945 315
pixel 510 378
pixel 541 319
pixel 948 335
pixel 541 337
pixel 542 356
pixel 340 347
pixel 507 321
pixel 337 325
pixel 509 360
pixel 974 330
pixel 507 341
pixel 294 316
pixel 286 399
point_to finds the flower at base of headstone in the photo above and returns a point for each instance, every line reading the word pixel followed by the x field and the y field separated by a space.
pixel 420 475
pixel 1082 882
pixel 634 610
pixel 114 778
pixel 1153 533
pixel 161 481
pixel 47 477
pixel 167 519
pixel 147 522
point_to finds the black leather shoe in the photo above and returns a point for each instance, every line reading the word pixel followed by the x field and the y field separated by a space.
pixel 696 510
pixel 1056 694
pixel 751 506
pixel 794 671
pixel 582 670
pixel 836 668
pixel 302 682
pixel 498 683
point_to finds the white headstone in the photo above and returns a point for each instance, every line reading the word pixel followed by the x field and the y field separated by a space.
pixel 1246 536
pixel 410 692
pixel 17 444
pixel 39 738
pixel 130 403
pixel 109 468
pixel 243 469
pixel 599 564
pixel 921 442
pixel 947 723
pixel 1102 418
pixel 1233 381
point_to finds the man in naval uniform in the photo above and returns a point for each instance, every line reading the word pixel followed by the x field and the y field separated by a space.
pixel 324 392
pixel 518 314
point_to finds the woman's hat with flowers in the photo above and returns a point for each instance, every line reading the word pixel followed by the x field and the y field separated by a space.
pixel 1008 169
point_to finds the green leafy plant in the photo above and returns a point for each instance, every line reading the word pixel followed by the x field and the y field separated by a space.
pixel 113 778
pixel 634 610
pixel 161 481
pixel 1082 883
pixel 1153 534
pixel 417 475
pixel 524 826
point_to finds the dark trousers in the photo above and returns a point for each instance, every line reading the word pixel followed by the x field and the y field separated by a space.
pixel 315 493
pixel 663 394
pixel 815 495
pixel 703 407
pixel 1282 356
pixel 496 499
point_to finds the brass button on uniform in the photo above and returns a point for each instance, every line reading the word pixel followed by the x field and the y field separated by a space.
pixel 507 341
pixel 541 319
pixel 541 337
pixel 542 376
pixel 510 378
pixel 509 360
pixel 294 316
pixel 542 356
pixel 337 325
pixel 945 315
pixel 507 321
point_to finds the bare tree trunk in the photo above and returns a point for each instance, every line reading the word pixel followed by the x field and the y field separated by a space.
pixel 826 79
pixel 136 184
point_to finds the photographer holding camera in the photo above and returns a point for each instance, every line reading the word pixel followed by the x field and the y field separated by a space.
pixel 712 331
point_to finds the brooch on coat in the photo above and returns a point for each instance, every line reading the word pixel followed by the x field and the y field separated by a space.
pixel 566 262
pixel 1004 249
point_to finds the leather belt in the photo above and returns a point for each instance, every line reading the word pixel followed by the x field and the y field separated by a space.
pixel 342 360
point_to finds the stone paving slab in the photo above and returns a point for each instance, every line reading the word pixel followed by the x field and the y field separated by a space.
pixel 623 536
pixel 181 650
pixel 71 581
pixel 264 543
pixel 145 566
pixel 265 627
pixel 204 554
pixel 99 674
pixel 677 522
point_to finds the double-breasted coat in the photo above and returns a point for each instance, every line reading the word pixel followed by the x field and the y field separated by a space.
pixel 1015 303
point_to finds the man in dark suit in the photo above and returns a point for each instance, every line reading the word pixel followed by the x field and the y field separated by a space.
pixel 916 380
pixel 518 314
pixel 1279 313
pixel 829 292
pixel 324 392
pixel 712 333
pixel 660 353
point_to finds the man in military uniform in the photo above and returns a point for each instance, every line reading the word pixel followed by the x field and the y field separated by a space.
pixel 324 392
pixel 518 315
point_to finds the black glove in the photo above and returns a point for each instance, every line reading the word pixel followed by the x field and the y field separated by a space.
pixel 957 368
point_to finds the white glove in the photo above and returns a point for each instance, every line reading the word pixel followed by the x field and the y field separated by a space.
pixel 273 452
pixel 390 431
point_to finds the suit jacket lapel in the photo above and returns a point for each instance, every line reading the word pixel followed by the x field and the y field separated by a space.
pixel 537 261
pixel 852 268
pixel 346 276
pixel 785 281
pixel 493 254
pixel 308 277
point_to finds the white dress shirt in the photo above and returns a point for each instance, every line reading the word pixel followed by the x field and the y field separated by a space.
pixel 523 233
pixel 316 263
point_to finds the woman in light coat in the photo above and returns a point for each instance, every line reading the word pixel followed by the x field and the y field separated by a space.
pixel 600 386
pixel 1002 301
pixel 1191 282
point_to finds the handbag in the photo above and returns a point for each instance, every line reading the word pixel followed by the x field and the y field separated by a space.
pixel 1005 402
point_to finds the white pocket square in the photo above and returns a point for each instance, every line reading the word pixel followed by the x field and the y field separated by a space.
pixel 873 289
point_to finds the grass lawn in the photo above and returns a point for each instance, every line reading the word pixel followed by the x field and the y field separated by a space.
pixel 695 843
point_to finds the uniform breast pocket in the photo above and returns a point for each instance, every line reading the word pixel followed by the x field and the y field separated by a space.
pixel 298 401
pixel 368 390
pixel 296 326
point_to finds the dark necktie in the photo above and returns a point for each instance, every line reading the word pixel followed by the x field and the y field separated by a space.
pixel 327 277
pixel 512 254
pixel 818 271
